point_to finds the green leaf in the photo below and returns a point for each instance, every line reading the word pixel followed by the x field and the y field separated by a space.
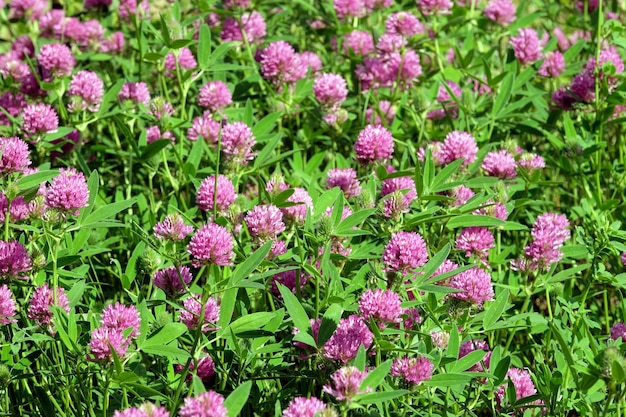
pixel 359 360
pixel 454 343
pixel 326 200
pixel 169 351
pixel 504 94
pixel 247 267
pixel 467 220
pixel 436 261
pixel 379 397
pixel 468 361
pixel 165 335
pixel 106 211
pixel 33 180
pixel 154 148
pixel 354 219
pixel 495 310
pixel 227 307
pixel 266 124
pixel 252 321
pixel 444 175
pixel 329 323
pixel 131 271
pixel 298 315
pixel 448 380
pixel 204 45
pixel 237 399
pixel 377 376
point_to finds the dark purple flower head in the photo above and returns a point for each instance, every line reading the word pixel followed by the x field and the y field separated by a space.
pixel 172 280
pixel 12 103
pixel 618 330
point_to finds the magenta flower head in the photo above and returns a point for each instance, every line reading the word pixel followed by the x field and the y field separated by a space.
pixel 347 383
pixel 459 145
pixel 12 103
pixel 30 9
pixel 344 178
pixel 350 334
pixel 475 284
pixel 475 241
pixel 85 91
pixel 114 44
pixel 298 212
pixel 359 42
pixel 205 369
pixel 185 61
pixel 42 300
pixel 311 61
pixel 15 155
pixel 226 194
pixel 68 192
pixel 144 410
pixel 204 127
pixel 413 370
pixel 172 228
pixel 205 404
pixel 7 305
pixel 500 164
pixel 330 90
pixel 527 46
pixel 38 119
pixel 404 252
pixel 501 11
pixel 381 306
pixel 304 407
pixel 434 6
pixel 524 386
pixel 252 24
pixel 129 8
pixel 618 330
pixel 56 59
pixel 461 195
pixel 192 309
pixel 106 340
pixel 215 96
pixel 468 347
pixel 265 222
pixel 531 162
pixel 374 144
pixel 553 65
pixel 349 8
pixel 172 280
pixel 14 260
pixel 237 142
pixel 120 317
pixel 403 23
pixel 405 184
pixel 135 92
pixel 280 64
pixel 212 244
